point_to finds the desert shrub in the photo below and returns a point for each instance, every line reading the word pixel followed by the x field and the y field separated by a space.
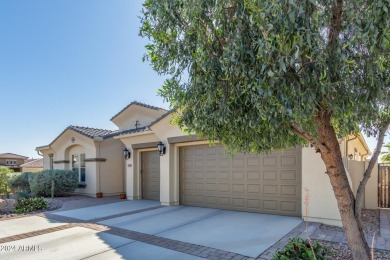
pixel 4 172
pixel 19 182
pixel 64 182
pixel 23 194
pixel 29 205
pixel 297 248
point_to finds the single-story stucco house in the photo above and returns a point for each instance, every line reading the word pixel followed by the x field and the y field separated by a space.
pixel 186 170
pixel 33 165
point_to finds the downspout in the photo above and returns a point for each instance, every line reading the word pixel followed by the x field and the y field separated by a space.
pixel 39 153
pixel 365 155
pixel 100 181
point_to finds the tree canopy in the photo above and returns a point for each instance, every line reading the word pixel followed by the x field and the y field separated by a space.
pixel 254 74
pixel 271 74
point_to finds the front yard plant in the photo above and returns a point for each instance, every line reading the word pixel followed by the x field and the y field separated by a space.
pixel 64 182
pixel 4 174
pixel 25 205
pixel 19 182
pixel 297 248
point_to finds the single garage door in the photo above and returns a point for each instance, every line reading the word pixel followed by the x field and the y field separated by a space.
pixel 150 170
pixel 257 183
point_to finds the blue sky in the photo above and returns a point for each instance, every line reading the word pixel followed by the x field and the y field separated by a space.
pixel 68 62
pixel 73 62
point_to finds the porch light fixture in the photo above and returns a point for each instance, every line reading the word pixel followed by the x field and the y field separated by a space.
pixel 126 153
pixel 350 156
pixel 161 148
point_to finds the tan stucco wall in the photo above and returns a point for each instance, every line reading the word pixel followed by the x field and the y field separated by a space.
pixel 90 170
pixel 132 165
pixel 63 149
pixel 112 172
pixel 106 177
pixel 46 158
pixel 356 170
pixel 128 118
pixel 64 143
pixel 169 163
pixel 322 202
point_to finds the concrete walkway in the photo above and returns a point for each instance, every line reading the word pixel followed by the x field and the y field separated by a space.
pixel 102 235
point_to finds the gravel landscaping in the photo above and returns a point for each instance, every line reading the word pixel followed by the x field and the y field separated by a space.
pixel 342 252
pixel 371 223
pixel 7 205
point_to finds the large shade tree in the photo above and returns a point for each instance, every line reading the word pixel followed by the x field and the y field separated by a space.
pixel 271 74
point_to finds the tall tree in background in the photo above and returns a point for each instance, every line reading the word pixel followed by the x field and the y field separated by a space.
pixel 271 74
pixel 386 154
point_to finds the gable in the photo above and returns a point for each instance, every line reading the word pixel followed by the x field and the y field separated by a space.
pixel 136 114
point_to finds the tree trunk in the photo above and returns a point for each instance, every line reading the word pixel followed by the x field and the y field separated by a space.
pixel 342 190
pixel 367 173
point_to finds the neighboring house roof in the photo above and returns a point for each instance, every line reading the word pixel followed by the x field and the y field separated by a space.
pixel 36 163
pixel 12 156
pixel 138 104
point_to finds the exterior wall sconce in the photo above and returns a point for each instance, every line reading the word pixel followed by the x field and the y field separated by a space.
pixel 73 139
pixel 350 156
pixel 161 148
pixel 126 153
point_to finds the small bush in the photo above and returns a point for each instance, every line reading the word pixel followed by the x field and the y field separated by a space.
pixel 30 205
pixel 64 182
pixel 4 175
pixel 19 182
pixel 23 194
pixel 297 248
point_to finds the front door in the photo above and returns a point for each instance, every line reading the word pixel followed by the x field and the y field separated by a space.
pixel 150 172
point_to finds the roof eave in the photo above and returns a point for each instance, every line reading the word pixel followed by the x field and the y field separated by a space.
pixel 41 148
pixel 363 141
pixel 148 132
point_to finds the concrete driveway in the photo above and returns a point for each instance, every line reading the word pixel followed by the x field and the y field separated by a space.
pixel 142 229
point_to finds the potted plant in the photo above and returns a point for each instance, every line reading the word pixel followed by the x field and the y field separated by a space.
pixel 99 195
pixel 122 196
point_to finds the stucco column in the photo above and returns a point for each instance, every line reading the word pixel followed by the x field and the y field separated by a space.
pixel 168 179
pixel 131 176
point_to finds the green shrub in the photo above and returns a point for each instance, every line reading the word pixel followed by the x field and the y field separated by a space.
pixel 297 248
pixel 23 194
pixel 30 204
pixel 4 172
pixel 64 182
pixel 19 182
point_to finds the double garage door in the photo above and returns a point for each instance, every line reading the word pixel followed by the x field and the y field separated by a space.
pixel 245 182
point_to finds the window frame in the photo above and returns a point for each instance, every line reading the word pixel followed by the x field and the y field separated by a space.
pixel 79 166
